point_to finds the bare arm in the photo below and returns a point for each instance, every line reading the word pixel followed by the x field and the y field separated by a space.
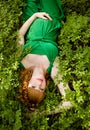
pixel 60 85
pixel 27 24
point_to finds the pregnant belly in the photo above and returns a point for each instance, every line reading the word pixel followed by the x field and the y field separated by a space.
pixel 43 29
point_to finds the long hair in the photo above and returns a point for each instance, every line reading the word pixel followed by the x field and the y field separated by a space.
pixel 27 94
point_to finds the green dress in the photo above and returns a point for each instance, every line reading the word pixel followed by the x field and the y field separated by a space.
pixel 42 35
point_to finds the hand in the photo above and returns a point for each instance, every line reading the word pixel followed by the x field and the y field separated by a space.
pixel 43 15
pixel 65 104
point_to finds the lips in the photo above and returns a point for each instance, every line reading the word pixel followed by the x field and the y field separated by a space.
pixel 40 79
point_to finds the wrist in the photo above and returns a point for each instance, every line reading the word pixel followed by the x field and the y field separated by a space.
pixel 35 15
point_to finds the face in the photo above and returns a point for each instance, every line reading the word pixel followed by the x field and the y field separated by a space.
pixel 38 82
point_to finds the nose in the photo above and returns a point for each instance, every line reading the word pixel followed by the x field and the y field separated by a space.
pixel 39 84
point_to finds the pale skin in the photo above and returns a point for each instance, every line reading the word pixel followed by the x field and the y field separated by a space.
pixel 39 63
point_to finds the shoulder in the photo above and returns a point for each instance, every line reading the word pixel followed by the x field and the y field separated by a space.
pixel 55 68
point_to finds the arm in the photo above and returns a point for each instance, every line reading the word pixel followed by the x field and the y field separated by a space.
pixel 28 23
pixel 60 85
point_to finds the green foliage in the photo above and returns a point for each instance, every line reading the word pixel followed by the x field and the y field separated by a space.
pixel 74 65
pixel 9 24
pixel 80 7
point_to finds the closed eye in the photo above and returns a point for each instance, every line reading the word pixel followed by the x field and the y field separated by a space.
pixel 33 86
pixel 42 89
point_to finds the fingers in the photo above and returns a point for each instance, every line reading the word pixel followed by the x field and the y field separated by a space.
pixel 49 17
pixel 46 16
pixel 43 15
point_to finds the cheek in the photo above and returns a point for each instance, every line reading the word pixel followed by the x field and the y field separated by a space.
pixel 32 80
pixel 44 83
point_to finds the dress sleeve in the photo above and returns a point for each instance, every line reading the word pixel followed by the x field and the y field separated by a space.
pixel 30 7
pixel 62 16
pixel 53 8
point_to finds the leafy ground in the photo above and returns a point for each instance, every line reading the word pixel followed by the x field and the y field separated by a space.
pixel 74 64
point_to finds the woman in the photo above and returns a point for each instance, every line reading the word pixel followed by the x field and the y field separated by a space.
pixel 38 35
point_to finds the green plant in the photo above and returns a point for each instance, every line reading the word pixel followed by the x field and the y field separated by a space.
pixel 74 64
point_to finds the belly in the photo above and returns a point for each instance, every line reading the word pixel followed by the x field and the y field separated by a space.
pixel 44 29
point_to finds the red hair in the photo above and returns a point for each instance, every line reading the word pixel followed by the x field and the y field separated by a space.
pixel 27 94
